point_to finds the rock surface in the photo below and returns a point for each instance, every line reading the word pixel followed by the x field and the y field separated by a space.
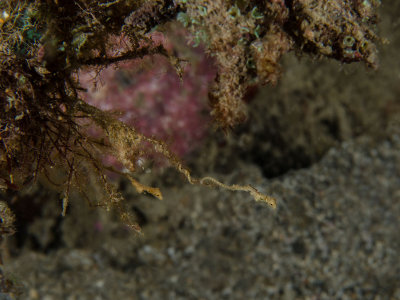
pixel 333 236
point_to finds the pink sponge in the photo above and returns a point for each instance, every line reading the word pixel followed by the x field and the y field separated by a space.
pixel 152 98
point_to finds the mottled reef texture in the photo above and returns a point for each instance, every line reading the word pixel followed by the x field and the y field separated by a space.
pixel 325 141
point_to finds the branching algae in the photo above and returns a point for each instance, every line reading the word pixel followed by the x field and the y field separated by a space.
pixel 45 43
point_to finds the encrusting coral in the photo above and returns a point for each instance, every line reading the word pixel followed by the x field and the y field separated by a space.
pixel 45 43
pixel 248 38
